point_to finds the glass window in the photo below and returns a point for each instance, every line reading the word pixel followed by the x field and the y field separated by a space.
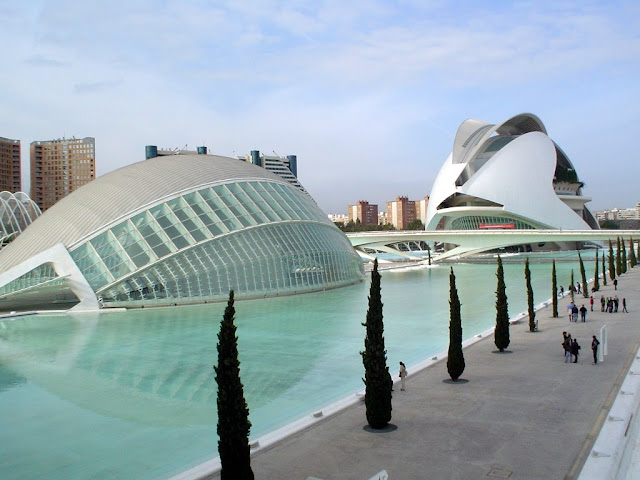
pixel 220 209
pixel 189 219
pixel 233 204
pixel 172 227
pixel 155 237
pixel 208 218
pixel 133 244
pixel 111 254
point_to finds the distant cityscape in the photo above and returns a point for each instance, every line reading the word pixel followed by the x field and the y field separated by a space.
pixel 632 213
pixel 61 166
pixel 404 214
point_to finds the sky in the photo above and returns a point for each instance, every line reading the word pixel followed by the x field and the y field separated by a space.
pixel 368 94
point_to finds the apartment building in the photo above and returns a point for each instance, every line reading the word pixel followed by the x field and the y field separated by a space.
pixel 59 167
pixel 364 211
pixel 10 169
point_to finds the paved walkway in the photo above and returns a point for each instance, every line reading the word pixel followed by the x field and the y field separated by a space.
pixel 522 415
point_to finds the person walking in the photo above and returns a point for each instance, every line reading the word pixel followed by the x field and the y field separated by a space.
pixel 591 302
pixel 570 310
pixel 575 350
pixel 561 291
pixel 403 375
pixel 624 305
pixel 575 313
pixel 602 302
pixel 583 313
pixel 594 349
pixel 615 284
pixel 615 304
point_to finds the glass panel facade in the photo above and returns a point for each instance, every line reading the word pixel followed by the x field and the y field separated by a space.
pixel 37 276
pixel 249 262
pixel 484 222
pixel 256 237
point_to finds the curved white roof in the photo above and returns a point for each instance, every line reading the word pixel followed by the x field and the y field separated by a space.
pixel 112 196
pixel 515 178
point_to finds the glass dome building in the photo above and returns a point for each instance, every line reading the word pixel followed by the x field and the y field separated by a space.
pixel 175 230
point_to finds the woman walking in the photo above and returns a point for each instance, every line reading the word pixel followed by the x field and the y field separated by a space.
pixel 403 375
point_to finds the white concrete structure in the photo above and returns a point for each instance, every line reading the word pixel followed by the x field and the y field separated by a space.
pixel 17 211
pixel 173 230
pixel 507 176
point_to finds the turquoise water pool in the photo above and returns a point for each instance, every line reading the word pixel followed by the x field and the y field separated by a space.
pixel 132 394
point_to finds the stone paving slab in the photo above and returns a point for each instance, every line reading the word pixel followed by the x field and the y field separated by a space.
pixel 522 415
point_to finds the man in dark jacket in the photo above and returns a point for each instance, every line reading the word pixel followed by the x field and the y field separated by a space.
pixel 575 350
pixel 594 348
pixel 583 313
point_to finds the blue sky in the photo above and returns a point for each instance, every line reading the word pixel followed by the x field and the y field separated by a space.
pixel 368 94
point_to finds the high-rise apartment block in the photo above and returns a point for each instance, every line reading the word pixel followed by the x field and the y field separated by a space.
pixel 285 167
pixel 363 211
pixel 10 170
pixel 402 211
pixel 58 167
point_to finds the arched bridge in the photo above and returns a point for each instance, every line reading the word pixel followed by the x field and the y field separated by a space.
pixel 470 242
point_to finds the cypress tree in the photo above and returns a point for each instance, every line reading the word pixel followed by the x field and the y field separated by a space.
pixel 633 260
pixel 532 312
pixel 554 289
pixel 618 258
pixel 596 275
pixel 612 268
pixel 501 334
pixel 604 271
pixel 623 265
pixel 233 412
pixel 455 360
pixel 638 252
pixel 377 379
pixel 583 278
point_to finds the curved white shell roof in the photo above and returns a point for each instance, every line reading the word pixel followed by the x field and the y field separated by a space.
pixel 111 196
pixel 515 181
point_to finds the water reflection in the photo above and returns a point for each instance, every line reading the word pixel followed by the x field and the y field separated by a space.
pixel 133 394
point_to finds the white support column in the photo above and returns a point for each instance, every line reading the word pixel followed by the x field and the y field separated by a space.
pixel 604 341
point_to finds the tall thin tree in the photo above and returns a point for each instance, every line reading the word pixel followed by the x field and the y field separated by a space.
pixel 596 275
pixel 583 278
pixel 501 334
pixel 531 310
pixel 554 289
pixel 623 261
pixel 638 251
pixel 377 379
pixel 455 359
pixel 633 260
pixel 618 258
pixel 612 267
pixel 604 270
pixel 233 412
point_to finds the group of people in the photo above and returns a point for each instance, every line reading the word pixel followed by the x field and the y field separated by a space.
pixel 577 289
pixel 610 304
pixel 572 348
pixel 573 310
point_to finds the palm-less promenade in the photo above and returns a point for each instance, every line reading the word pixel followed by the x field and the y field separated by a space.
pixel 522 415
